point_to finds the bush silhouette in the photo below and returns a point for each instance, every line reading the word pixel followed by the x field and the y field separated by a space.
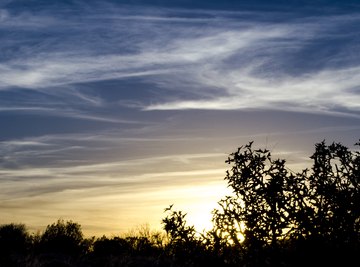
pixel 62 237
pixel 105 247
pixel 14 244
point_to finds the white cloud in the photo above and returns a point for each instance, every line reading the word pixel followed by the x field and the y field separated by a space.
pixel 319 92
pixel 240 59
pixel 167 54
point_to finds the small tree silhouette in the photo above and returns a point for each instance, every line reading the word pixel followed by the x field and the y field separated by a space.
pixel 185 247
pixel 14 244
pixel 176 228
pixel 62 238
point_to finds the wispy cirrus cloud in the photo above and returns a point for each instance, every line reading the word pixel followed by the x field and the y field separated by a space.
pixel 226 63
pixel 328 91
pixel 255 76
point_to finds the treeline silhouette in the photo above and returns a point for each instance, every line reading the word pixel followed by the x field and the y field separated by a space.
pixel 274 217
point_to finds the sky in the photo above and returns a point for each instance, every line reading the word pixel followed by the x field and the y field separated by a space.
pixel 110 111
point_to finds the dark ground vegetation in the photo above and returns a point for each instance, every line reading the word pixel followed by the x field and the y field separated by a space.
pixel 274 217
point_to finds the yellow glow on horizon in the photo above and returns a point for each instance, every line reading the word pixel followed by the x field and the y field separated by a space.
pixel 115 212
pixel 197 201
pixel 117 202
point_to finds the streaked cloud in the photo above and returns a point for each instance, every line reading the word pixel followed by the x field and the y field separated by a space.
pixel 243 63
pixel 319 93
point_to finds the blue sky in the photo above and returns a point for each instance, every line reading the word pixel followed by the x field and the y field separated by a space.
pixel 112 110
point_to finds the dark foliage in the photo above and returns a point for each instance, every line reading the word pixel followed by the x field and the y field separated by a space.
pixel 185 247
pixel 275 217
pixel 62 237
pixel 285 217
pixel 14 244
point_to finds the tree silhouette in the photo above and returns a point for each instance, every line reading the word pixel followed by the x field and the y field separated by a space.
pixel 335 193
pixel 14 244
pixel 272 206
pixel 185 246
pixel 176 228
pixel 62 237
